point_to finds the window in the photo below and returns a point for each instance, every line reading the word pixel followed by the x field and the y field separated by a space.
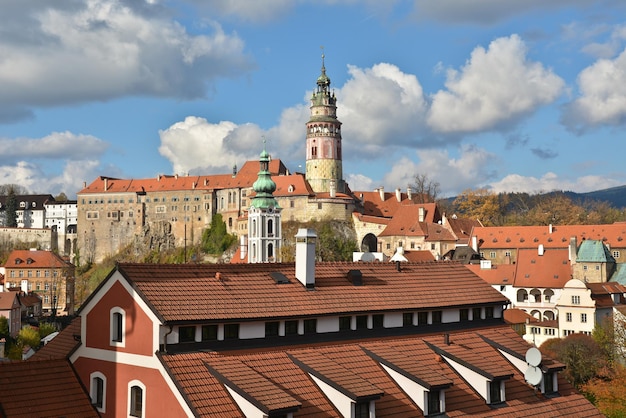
pixel 377 321
pixel 585 267
pixel 209 332
pixel 231 331
pixel 361 322
pixel 615 254
pixel 407 319
pixel 291 327
pixel 548 331
pixel 319 206
pixel 98 391
pixel 434 402
pixel 271 329
pixel 344 323
pixel 422 318
pixel 186 334
pixel 548 383
pixel 117 327
pixel 476 314
pixel 136 404
pixel 507 253
pixel 464 314
pixel 310 326
pixel 362 410
pixel 436 317
pixel 492 254
pixel 495 395
pixel 583 317
pixel 489 312
pixel 568 317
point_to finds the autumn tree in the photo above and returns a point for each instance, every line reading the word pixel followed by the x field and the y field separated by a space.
pixel 61 197
pixel 480 204
pixel 607 391
pixel 555 209
pixel 28 336
pixel 426 190
pixel 580 353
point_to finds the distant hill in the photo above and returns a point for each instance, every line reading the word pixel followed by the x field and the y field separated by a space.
pixel 615 196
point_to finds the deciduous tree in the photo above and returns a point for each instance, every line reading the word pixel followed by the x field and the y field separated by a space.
pixel 480 204
pixel 426 189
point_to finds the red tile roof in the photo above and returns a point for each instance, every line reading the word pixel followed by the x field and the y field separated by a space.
pixel 494 237
pixel 42 389
pixel 34 259
pixel 8 300
pixel 244 293
pixel 518 316
pixel 61 346
pixel 373 205
pixel 358 368
pixel 550 270
pixel 502 274
pixel 405 222
pixel 419 256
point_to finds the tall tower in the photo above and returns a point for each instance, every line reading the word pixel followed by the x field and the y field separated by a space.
pixel 264 229
pixel 324 170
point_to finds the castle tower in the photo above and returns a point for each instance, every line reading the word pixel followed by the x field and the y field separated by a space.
pixel 323 140
pixel 264 228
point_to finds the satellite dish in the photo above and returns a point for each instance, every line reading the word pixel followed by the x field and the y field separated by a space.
pixel 533 356
pixel 533 375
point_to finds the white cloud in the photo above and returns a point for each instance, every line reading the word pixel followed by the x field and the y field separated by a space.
pixel 100 49
pixel 550 182
pixel 58 145
pixel 453 174
pixel 603 95
pixel 382 107
pixel 494 89
pixel 359 182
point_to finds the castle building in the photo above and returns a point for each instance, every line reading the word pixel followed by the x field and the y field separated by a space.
pixel 264 226
pixel 323 140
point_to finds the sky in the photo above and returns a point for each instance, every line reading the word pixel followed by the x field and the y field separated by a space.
pixel 512 96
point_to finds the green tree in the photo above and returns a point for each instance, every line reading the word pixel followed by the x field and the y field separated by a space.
pixel 332 246
pixel 11 209
pixel 215 239
pixel 46 328
pixel 28 336
pixel 580 353
pixel 4 327
pixel 61 197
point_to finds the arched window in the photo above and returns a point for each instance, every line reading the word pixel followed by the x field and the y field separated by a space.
pixel 253 229
pixel 136 399
pixel 270 250
pixel 548 316
pixel 117 326
pixel 522 295
pixel 270 227
pixel 97 391
pixel 536 293
pixel 547 295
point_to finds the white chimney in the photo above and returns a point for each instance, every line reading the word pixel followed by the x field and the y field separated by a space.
pixel 381 192
pixel 333 188
pixel 475 243
pixel 305 257
pixel 409 193
pixel 540 249
pixel 398 195
pixel 243 244
pixel 421 214
pixel 550 229
pixel 572 250
pixel 106 184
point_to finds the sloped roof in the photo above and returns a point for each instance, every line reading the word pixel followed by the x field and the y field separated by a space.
pixel 593 251
pixel 557 236
pixel 462 228
pixel 550 270
pixel 373 205
pixel 619 276
pixel 35 201
pixel 607 294
pixel 518 316
pixel 419 256
pixel 357 370
pixel 8 300
pixel 34 259
pixel 61 346
pixel 43 389
pixel 502 274
pixel 245 177
pixel 244 293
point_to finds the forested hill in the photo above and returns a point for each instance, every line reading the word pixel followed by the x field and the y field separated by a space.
pixel 615 196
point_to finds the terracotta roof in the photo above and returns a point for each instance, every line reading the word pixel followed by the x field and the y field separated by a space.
pixel 559 237
pixel 359 368
pixel 462 228
pixel 419 256
pixel 373 205
pixel 34 259
pixel 42 389
pixel 245 177
pixel 405 222
pixel 294 182
pixel 370 219
pixel 61 346
pixel 502 274
pixel 550 270
pixel 244 293
pixel 518 316
pixel 8 300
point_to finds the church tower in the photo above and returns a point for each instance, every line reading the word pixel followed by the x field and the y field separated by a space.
pixel 264 229
pixel 324 170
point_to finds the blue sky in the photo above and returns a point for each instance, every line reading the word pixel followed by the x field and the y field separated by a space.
pixel 517 95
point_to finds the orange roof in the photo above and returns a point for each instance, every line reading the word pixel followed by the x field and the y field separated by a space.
pixel 375 206
pixel 62 345
pixel 405 222
pixel 43 389
pixel 419 256
pixel 280 378
pixel 294 182
pixel 502 274
pixel 162 183
pixel 241 292
pixel 462 228
pixel 550 237
pixel 550 270
pixel 518 316
pixel 34 259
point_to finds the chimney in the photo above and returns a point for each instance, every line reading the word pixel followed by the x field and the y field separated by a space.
pixel 446 339
pixel 409 193
pixel 305 257
pixel 333 188
pixel 206 181
pixel 381 192
pixel 572 250
pixel 398 195
pixel 243 243
pixel 84 184
pixel 421 214
pixel 193 185
pixel 540 250
pixel 550 229
pixel 106 184
pixel 158 177
pixel 234 170
pixel 475 243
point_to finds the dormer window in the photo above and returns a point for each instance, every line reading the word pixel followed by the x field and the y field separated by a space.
pixel 549 383
pixel 496 391
pixel 362 409
pixel 435 402
pixel 18 261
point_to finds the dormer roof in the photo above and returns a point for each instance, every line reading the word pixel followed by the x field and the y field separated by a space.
pixel 34 259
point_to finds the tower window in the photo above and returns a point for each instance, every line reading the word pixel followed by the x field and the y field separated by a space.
pixel 314 151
